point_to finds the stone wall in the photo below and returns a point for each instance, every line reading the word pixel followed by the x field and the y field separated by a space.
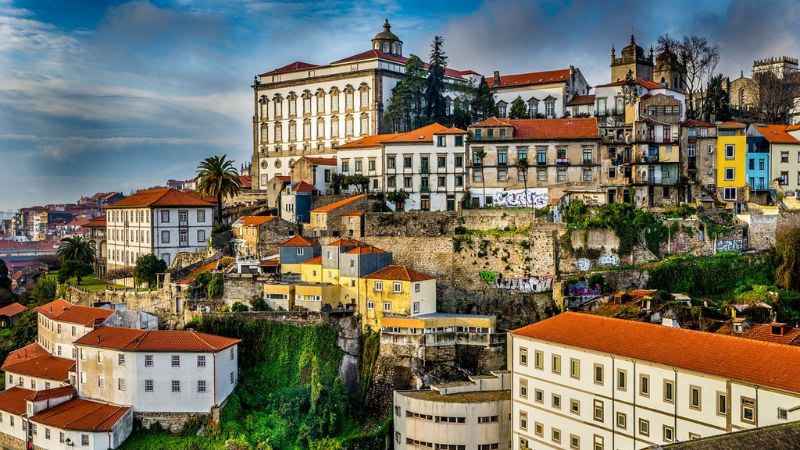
pixel 242 288
pixel 174 422
pixel 434 223
pixel 761 231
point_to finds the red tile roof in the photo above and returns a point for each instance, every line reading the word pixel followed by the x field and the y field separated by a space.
pixel 730 124
pixel 14 400
pixel 777 134
pixel 13 309
pixel 647 84
pixel 317 261
pixel 34 361
pixel 748 360
pixel 291 67
pixel 547 129
pixel 366 249
pixel 302 186
pixel 375 140
pixel 253 221
pixel 340 204
pixel 763 332
pixel 398 273
pixel 320 161
pixel 424 134
pixel 581 100
pixel 64 311
pixel 133 340
pixel 530 78
pixel 81 415
pixel 164 197
pixel 697 123
pixel 97 222
pixel 297 241
pixel 245 182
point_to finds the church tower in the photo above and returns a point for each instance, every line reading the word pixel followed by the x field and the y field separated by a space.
pixel 387 42
pixel 633 60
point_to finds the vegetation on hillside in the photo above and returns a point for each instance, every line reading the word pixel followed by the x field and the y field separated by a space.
pixel 631 225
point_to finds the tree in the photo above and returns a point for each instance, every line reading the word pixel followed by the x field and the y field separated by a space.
pixel 148 267
pixel 360 182
pixel 44 290
pixel 217 177
pixel 776 96
pixel 73 268
pixel 518 109
pixel 787 249
pixel 716 103
pixel 483 105
pixel 398 198
pixel 5 281
pixel 462 118
pixel 479 154
pixel 695 60
pixel 405 107
pixel 435 106
pixel 76 249
pixel 239 307
pixel 216 286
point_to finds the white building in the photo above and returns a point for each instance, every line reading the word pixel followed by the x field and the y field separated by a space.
pixel 586 381
pixel 157 371
pixel 159 221
pixel 472 415
pixel 546 94
pixel 303 108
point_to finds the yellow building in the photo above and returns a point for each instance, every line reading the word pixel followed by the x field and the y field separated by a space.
pixel 395 291
pixel 311 270
pixel 315 296
pixel 731 157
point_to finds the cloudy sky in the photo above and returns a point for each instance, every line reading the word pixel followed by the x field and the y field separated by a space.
pixel 114 95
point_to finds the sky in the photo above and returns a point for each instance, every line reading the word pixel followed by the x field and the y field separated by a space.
pixel 100 96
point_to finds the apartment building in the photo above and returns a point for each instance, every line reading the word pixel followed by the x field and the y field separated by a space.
pixel 158 221
pixel 294 251
pixel 546 94
pixel 249 229
pixel 784 155
pixel 731 160
pixel 471 415
pixel 537 160
pixel 395 290
pixel 419 334
pixel 157 371
pixel 757 166
pixel 587 381
pixel 698 159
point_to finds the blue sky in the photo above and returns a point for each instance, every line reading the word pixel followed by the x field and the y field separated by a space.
pixel 117 95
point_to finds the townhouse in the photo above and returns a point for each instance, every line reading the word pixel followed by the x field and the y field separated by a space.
pixel 731 162
pixel 158 221
pixel 249 229
pixel 784 156
pixel 757 168
pixel 545 94
pixel 395 290
pixel 699 140
pixel 532 162
pixel 587 381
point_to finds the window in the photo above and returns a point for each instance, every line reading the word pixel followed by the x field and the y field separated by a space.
pixel 598 374
pixel 561 174
pixel 359 167
pixel 669 433
pixel 550 107
pixel 397 287
pixel 598 410
pixel 729 194
pixel 148 360
pixel 441 141
pixel 502 174
pixel 502 156
pixel 695 397
pixel 730 173
pixel 523 420
pixel 523 356
pixel 555 435
pixel 555 401
pixel 121 359
pixel 84 439
pixel 587 155
pixel 387 307
pixel 165 237
pixel 574 441
pixel 164 216
pixel 575 406
pixel 622 420
pixel 748 410
pixel 407 161
pixel 556 364
pixel 121 384
pixel 176 361
pixel 501 108
pixel 459 141
pixel 784 157
pixel 148 385
pixel 644 427
pixel 722 403
pixel 538 360
pixel 541 174
pixel 538 430
pixel 644 385
pixel 523 388
pixel 598 442
pixel 586 174
pixel 371 165
pixel 622 380
pixel 730 152
pixel 538 395
pixel 201 361
pixel 669 391
pixel 47 433
pixel 782 414
pixel 201 385
pixel 459 161
pixel 575 368
pixel 176 385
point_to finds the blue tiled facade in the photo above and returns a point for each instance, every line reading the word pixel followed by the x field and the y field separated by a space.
pixel 757 165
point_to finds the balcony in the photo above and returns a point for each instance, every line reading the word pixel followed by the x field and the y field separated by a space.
pixel 562 161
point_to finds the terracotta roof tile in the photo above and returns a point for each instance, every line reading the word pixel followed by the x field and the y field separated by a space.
pixel 763 332
pixel 14 400
pixel 777 134
pixel 731 125
pixel 316 261
pixel 291 67
pixel 547 129
pixel 297 241
pixel 97 222
pixel 366 249
pixel 375 140
pixel 758 362
pixel 302 186
pixel 253 221
pixel 340 204
pixel 133 340
pixel 163 197
pixel 530 78
pixel 13 309
pixel 245 182
pixel 424 134
pixel 37 362
pixel 81 415
pixel 64 311
pixel 320 161
pixel 398 273
pixel 581 100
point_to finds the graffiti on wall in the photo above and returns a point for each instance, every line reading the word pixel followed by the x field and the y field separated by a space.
pixel 608 260
pixel 521 198
pixel 582 289
pixel 583 264
pixel 529 285
pixel 730 245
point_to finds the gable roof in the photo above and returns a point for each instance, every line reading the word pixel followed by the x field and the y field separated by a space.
pixel 777 134
pixel 731 125
pixel 320 161
pixel 14 400
pixel 398 273
pixel 581 100
pixel 133 340
pixel 302 186
pixel 162 197
pixel 749 360
pixel 763 332
pixel 253 221
pixel 547 129
pixel 34 361
pixel 339 204
pixel 365 249
pixel 375 140
pixel 64 311
pixel 424 134
pixel 530 78
pixel 316 261
pixel 81 415
pixel 291 67
pixel 297 241
pixel 13 309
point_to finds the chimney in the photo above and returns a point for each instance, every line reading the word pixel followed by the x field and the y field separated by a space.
pixel 497 78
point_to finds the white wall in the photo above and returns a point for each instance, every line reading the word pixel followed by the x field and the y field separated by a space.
pixel 426 297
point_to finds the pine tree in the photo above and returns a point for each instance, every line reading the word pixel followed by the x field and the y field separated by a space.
pixel 483 105
pixel 716 105
pixel 518 109
pixel 435 107
pixel 405 106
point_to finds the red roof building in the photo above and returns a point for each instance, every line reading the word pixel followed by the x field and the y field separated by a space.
pixel 35 362
pixel 134 340
pixel 398 273
pixel 61 310
pixel 161 197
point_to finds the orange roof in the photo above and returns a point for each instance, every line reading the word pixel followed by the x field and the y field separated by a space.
pixel 793 127
pixel 748 360
pixel 253 221
pixel 763 332
pixel 530 78
pixel 376 140
pixel 424 134
pixel 317 261
pixel 245 181
pixel 398 273
pixel 64 311
pixel 297 241
pixel 777 134
pixel 291 67
pixel 366 249
pixel 163 197
pixel 730 124
pixel 14 400
pixel 647 84
pixel 208 267
pixel 581 100
pixel 547 129
pixel 37 362
pixel 697 123
pixel 81 415
pixel 97 222
pixel 321 161
pixel 133 340
pixel 346 243
pixel 302 186
pixel 341 203
pixel 25 353
pixel 12 310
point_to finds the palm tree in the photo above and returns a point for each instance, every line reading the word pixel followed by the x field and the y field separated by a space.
pixel 218 177
pixel 522 166
pixel 76 249
pixel 479 154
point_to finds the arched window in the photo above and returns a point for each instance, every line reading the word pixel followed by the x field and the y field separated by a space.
pixel 278 133
pixel 363 97
pixel 277 103
pixel 364 124
pixel 292 104
pixel 533 107
pixel 306 129
pixel 306 103
pixel 502 108
pixel 277 163
pixel 320 128
pixel 320 102
pixel 348 98
pixel 292 131
pixel 334 100
pixel 550 107
pixel 264 134
pixel 348 126
pixel 334 127
pixel 264 164
pixel 263 108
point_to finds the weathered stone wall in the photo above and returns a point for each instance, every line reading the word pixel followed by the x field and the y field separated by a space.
pixel 242 288
pixel 273 233
pixel 426 223
pixel 174 422
pixel 761 231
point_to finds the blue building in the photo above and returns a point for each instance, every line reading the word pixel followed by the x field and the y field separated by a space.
pixel 757 164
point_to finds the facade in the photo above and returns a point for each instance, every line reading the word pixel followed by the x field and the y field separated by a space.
pixel 248 229
pixel 699 161
pixel 561 154
pixel 426 331
pixel 306 109
pixel 757 170
pixel 157 371
pixel 95 230
pixel 545 94
pixel 395 291
pixel 583 380
pixel 294 251
pixel 318 172
pixel 472 415
pixel 296 202
pixel 159 221
pixel 326 220
pixel 784 152
pixel 60 323
pixel 731 162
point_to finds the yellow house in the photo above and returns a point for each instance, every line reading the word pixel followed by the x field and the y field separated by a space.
pixel 311 270
pixel 279 295
pixel 314 296
pixel 395 291
pixel 731 157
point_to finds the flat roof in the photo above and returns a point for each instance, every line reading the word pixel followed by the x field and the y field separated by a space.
pixel 460 397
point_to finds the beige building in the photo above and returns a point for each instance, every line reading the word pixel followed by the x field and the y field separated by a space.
pixel 472 415
pixel 587 381
pixel 784 150
pixel 248 229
